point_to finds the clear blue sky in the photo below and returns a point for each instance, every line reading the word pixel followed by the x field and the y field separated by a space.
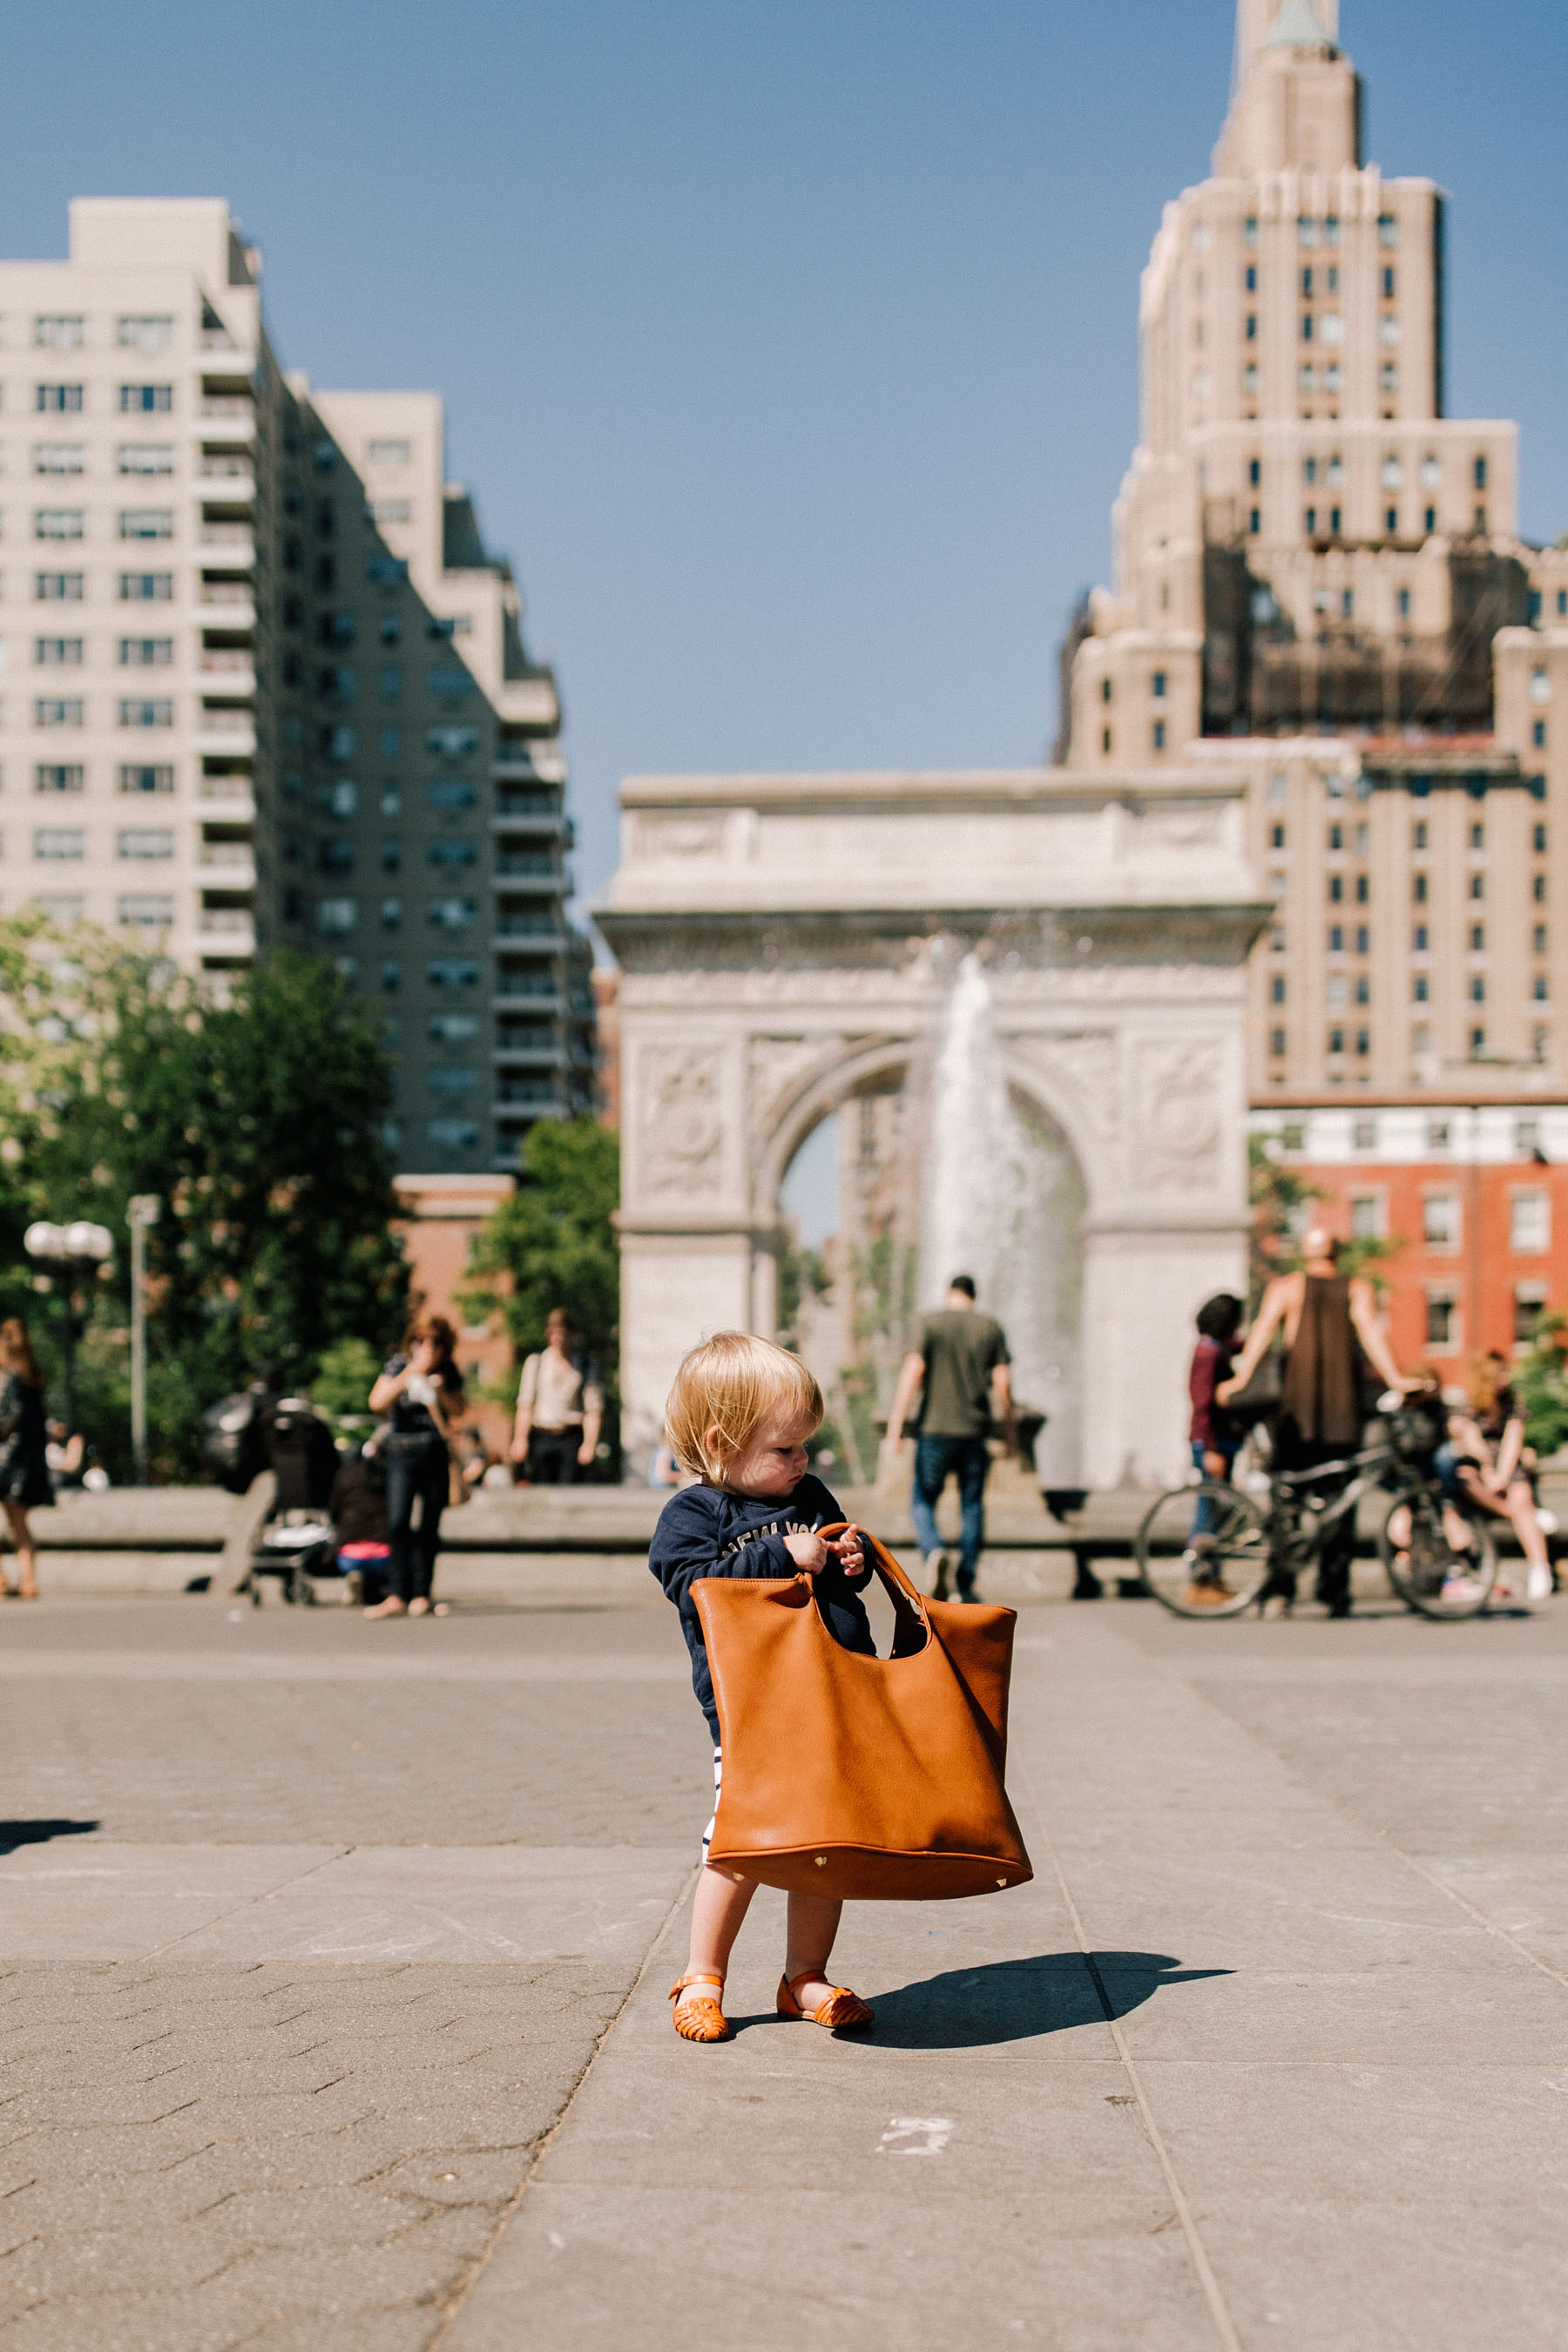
pixel 788 345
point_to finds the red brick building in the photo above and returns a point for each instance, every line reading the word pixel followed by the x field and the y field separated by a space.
pixel 1473 1195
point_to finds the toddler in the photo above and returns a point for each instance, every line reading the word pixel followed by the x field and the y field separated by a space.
pixel 739 1416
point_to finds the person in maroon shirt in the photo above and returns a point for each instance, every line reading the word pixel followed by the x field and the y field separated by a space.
pixel 1214 1438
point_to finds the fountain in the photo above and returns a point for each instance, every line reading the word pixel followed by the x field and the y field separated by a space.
pixel 1002 1201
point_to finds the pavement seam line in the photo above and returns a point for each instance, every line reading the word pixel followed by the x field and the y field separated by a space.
pixel 457 2307
pixel 1224 2327
pixel 248 1904
pixel 1370 1829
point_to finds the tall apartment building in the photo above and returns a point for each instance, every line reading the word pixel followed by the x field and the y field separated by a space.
pixel 1319 578
pixel 265 685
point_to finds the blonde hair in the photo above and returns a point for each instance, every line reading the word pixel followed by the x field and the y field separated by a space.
pixel 732 1382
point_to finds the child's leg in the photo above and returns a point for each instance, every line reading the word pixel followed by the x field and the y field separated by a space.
pixel 808 1941
pixel 722 1901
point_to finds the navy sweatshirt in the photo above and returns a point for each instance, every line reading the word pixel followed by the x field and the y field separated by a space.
pixel 707 1531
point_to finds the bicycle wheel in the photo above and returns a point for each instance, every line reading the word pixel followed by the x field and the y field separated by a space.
pixel 1427 1569
pixel 1203 1550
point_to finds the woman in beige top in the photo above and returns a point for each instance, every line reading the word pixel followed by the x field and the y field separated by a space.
pixel 558 1409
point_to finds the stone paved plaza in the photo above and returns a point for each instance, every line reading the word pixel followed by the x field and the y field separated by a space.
pixel 333 1975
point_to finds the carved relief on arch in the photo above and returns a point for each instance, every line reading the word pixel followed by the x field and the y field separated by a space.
pixel 793 1081
pixel 680 1131
pixel 1181 1122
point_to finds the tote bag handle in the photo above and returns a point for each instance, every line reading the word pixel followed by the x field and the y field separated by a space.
pixel 906 1599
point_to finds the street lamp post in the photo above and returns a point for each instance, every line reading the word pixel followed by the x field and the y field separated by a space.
pixel 144 1209
pixel 74 1254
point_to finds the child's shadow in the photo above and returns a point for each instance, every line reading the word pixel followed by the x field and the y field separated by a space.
pixel 1015 2001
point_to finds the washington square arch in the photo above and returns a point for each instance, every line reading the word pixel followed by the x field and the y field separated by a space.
pixel 1020 989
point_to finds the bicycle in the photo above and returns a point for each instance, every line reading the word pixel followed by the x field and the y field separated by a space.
pixel 1209 1550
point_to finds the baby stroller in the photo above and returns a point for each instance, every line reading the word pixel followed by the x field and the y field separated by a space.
pixel 298 1542
pixel 358 1513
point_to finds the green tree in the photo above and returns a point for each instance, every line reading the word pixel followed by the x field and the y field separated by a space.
pixel 1540 1384
pixel 260 1123
pixel 554 1244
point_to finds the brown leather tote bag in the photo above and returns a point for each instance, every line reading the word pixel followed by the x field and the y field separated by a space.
pixel 870 1778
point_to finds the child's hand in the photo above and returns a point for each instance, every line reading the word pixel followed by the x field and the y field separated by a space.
pixel 846 1549
pixel 807 1551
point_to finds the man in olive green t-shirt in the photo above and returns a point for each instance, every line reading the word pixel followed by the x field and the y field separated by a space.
pixel 961 1361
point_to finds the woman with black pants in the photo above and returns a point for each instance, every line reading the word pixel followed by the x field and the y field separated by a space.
pixel 421 1390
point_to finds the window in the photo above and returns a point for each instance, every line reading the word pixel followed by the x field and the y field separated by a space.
pixel 390 629
pixel 1539 939
pixel 1391 521
pixel 1538 988
pixel 1477 885
pixel 453 1079
pixel 146 653
pixel 57 587
pixel 1421 988
pixel 1362 939
pixel 1367 1220
pixel 1480 473
pixel 452 853
pixel 1336 940
pixel 1157 685
pixel 1276 836
pixel 336 915
pixel 1538 841
pixel 1254 520
pixel 452 971
pixel 452 796
pixel 1418 833
pixel 1336 889
pixel 1364 990
pixel 146 714
pixel 1336 1041
pixel 1477 1043
pixel 1333 523
pixel 1363 1041
pixel 391 914
pixel 146 587
pixel 1277 989
pixel 1418 939
pixel 145 457
pixel 1478 988
pixel 1530 1224
pixel 1251 277
pixel 146 399
pixel 138 779
pixel 58 714
pixel 1388 230
pixel 1347 604
pixel 58 334
pixel 391 685
pixel 1404 602
pixel 1538 888
pixel 1249 230
pixel 1442 1321
pixel 1529 1306
pixel 146 332
pixel 391 976
pixel 59 522
pixel 1306 326
pixel 1159 734
pixel 146 522
pixel 1277 1042
pixel 52 777
pixel 1440 1211
pixel 147 913
pixel 453 1134
pixel 55 651
pixel 390 510
pixel 1336 991
pixel 1538 734
pixel 146 841
pixel 1361 889
pixel 1105 689
pixel 1251 322
pixel 1311 523
pixel 389 453
pixel 60 841
pixel 1431 519
pixel 57 399
pixel 452 914
pixel 60 457
pixel 1478 938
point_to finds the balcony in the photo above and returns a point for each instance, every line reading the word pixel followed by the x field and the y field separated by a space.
pixel 237 471
pixel 233 795
pixel 234 664
pixel 231 731
pixel 508 999
pixel 528 1098
pixel 237 539
pixel 529 702
pixel 226 930
pixel 228 864
pixel 514 875
pixel 538 1057
pixel 232 407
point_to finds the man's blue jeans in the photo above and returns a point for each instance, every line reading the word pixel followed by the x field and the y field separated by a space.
pixel 936 1460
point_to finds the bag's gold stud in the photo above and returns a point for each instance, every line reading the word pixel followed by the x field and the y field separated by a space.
pixel 739 1880
pixel 1001 1882
pixel 822 1862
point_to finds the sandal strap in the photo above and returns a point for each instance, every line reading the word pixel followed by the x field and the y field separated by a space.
pixel 697 1976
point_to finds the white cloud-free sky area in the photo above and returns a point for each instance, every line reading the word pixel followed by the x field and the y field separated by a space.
pixel 790 349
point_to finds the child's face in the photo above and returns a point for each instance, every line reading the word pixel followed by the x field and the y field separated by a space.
pixel 772 1462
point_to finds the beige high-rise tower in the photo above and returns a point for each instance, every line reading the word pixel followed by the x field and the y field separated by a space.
pixel 1318 575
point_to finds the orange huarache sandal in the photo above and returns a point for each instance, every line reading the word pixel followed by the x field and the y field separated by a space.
pixel 843 2011
pixel 701 2020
